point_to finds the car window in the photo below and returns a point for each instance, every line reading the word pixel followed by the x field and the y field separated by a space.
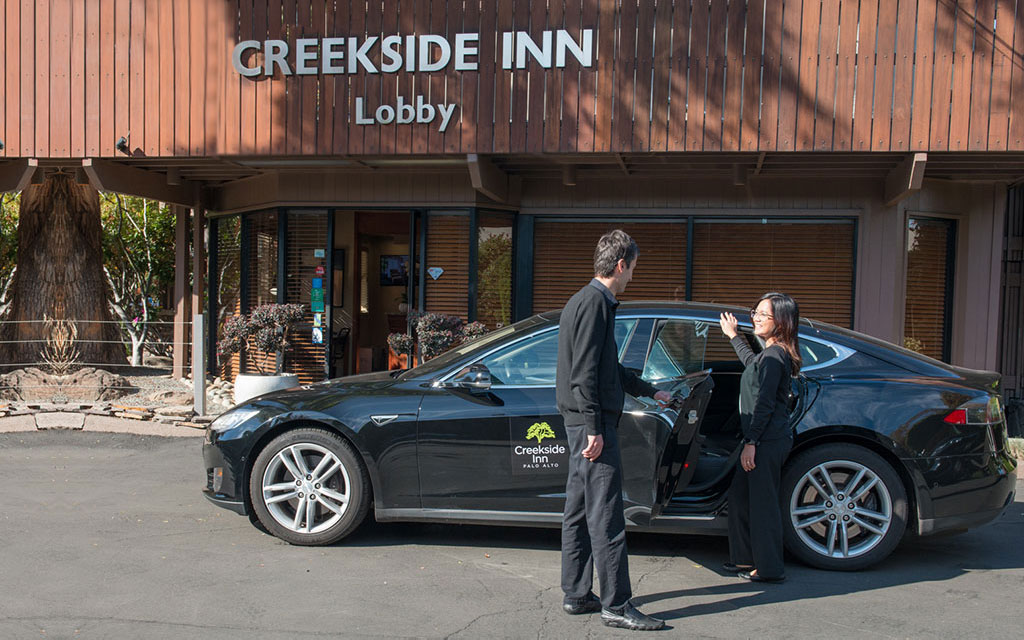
pixel 815 353
pixel 678 349
pixel 623 330
pixel 529 362
pixel 532 362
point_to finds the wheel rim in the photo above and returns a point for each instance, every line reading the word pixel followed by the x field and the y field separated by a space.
pixel 306 488
pixel 841 509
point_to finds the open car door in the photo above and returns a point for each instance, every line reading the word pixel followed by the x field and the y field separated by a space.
pixel 681 448
pixel 661 445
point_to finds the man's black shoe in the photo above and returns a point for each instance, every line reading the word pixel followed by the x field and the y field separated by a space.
pixel 590 604
pixel 630 618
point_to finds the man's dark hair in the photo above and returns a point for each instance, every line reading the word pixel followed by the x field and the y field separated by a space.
pixel 613 246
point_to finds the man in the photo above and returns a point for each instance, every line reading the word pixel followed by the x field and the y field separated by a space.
pixel 589 392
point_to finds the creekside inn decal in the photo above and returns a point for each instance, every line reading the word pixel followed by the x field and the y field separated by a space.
pixel 411 53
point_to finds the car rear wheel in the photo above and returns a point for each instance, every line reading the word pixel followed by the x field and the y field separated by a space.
pixel 844 507
pixel 309 487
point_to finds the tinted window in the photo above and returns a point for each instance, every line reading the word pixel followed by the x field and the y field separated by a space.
pixel 533 362
pixel 679 347
pixel 527 362
pixel 815 353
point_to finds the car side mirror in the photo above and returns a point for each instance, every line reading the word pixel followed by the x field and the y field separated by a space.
pixel 475 377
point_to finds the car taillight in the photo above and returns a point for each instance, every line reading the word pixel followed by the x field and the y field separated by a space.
pixel 977 412
pixel 957 416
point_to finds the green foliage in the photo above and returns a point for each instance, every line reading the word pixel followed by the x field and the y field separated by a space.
pixel 540 430
pixel 495 278
pixel 9 204
pixel 138 245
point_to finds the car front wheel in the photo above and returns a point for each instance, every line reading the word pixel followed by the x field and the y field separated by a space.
pixel 844 507
pixel 309 487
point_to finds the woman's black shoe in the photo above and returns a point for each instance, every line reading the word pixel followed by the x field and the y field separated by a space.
pixel 754 577
pixel 736 568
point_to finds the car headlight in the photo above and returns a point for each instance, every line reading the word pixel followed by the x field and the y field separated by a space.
pixel 232 419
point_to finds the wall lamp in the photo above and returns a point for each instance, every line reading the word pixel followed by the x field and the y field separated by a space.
pixel 1 145
pixel 122 144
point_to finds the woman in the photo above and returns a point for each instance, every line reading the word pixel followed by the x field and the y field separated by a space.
pixel 755 518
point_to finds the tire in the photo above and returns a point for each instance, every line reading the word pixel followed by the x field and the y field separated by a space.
pixel 289 467
pixel 816 510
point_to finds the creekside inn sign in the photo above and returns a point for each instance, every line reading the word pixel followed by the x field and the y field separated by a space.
pixel 411 53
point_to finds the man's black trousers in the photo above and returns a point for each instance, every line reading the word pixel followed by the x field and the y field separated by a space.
pixel 755 516
pixel 594 528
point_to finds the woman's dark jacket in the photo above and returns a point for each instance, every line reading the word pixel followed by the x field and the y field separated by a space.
pixel 764 391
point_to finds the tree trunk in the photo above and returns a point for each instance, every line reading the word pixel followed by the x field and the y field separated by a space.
pixel 60 274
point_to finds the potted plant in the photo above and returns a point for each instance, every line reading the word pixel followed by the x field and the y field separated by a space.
pixel 264 329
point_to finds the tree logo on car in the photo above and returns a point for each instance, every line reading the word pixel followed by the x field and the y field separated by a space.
pixel 540 430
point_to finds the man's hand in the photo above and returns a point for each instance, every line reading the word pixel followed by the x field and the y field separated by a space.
pixel 747 457
pixel 594 446
pixel 664 398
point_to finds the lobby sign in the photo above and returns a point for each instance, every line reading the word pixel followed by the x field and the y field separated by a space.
pixel 410 54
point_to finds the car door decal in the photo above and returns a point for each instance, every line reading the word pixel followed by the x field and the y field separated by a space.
pixel 536 446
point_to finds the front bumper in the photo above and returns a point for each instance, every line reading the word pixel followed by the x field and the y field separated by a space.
pixel 238 506
pixel 223 480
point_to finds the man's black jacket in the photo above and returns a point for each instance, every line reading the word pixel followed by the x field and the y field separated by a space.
pixel 590 381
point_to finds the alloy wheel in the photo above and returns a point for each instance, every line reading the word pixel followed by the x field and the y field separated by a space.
pixel 841 509
pixel 306 488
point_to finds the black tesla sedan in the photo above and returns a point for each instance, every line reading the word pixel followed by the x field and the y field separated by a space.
pixel 887 442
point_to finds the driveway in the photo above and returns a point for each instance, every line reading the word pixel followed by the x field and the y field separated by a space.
pixel 106 535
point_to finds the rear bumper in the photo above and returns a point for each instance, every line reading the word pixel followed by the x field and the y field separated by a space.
pixel 929 526
pixel 963 492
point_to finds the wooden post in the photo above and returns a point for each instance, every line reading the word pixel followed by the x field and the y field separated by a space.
pixel 180 274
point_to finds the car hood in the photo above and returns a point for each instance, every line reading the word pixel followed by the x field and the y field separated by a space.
pixel 363 384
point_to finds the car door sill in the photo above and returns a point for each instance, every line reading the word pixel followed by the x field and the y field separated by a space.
pixel 469 516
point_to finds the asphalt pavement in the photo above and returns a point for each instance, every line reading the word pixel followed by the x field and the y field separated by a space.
pixel 106 535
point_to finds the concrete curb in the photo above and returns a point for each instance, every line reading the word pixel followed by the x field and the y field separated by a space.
pixel 47 421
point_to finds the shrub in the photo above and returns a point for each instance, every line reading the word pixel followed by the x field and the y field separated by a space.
pixel 265 328
pixel 401 343
pixel 473 330
pixel 435 333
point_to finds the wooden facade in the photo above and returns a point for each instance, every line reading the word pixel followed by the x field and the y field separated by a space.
pixel 666 76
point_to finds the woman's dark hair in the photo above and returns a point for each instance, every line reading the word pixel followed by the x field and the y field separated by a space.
pixel 786 313
pixel 613 246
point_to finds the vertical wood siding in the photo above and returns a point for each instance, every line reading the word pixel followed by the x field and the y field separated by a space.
pixel 667 75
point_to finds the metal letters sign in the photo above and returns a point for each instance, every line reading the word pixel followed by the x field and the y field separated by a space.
pixel 411 53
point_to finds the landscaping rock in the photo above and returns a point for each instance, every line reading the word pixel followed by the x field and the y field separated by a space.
pixel 171 397
pixel 60 420
pixel 174 410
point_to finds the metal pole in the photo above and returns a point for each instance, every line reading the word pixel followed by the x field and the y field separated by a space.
pixel 198 358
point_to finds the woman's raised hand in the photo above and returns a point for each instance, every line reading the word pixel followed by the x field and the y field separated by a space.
pixel 728 323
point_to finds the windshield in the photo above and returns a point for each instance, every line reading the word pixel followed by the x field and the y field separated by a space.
pixel 453 355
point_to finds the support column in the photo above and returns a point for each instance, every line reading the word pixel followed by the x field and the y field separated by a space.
pixel 180 302
pixel 198 273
